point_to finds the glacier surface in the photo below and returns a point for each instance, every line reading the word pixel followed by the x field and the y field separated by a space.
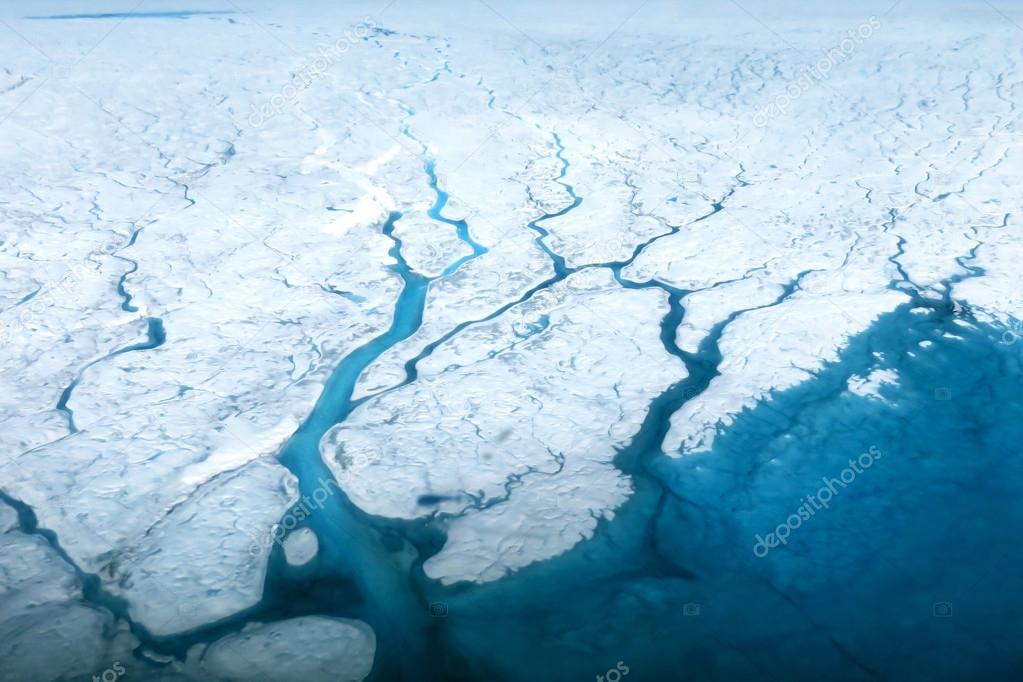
pixel 407 341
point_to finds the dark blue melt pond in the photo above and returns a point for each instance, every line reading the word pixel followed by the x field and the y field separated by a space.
pixel 175 14
pixel 912 571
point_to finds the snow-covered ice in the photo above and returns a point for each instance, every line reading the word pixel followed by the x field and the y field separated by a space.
pixel 313 648
pixel 301 546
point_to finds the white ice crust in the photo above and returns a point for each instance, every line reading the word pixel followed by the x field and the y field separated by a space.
pixel 300 547
pixel 870 385
pixel 313 648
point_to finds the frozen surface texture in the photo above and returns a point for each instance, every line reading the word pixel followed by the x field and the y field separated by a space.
pixel 313 648
pixel 315 314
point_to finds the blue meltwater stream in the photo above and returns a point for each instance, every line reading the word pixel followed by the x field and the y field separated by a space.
pixel 348 546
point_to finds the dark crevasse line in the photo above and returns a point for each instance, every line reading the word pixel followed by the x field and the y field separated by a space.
pixel 560 269
pixel 155 337
pixel 92 586
pixel 169 14
pixel 27 297
pixel 11 88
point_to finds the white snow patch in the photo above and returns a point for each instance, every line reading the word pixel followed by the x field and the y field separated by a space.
pixel 300 547
pixel 310 648
pixel 869 386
